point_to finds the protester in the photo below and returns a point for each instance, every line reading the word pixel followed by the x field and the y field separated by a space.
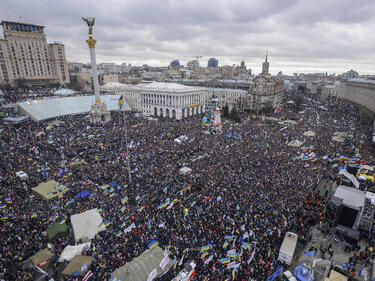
pixel 246 186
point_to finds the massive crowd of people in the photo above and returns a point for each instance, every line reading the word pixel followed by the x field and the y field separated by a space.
pixel 246 186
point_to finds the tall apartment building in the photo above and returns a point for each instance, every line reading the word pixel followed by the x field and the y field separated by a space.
pixel 212 62
pixel 26 56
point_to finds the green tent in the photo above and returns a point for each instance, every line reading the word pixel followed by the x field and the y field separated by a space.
pixel 56 231
pixel 50 190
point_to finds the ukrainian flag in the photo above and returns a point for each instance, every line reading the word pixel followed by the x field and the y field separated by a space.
pixel 121 101
pixel 245 245
pixel 141 209
pixel 107 223
pixel 34 215
pixel 2 206
pixel 105 186
pixel 56 217
pixel 100 210
pixel 123 225
pixel 168 246
pixel 118 234
pixel 123 208
pixel 225 244
pixel 164 205
pixel 204 254
pixel 4 218
pixel 205 248
pixel 186 212
pixel 229 237
pixel 32 196
pixel 124 199
pixel 225 260
pixel 62 221
pixel 165 188
pixel 152 244
pixel 234 255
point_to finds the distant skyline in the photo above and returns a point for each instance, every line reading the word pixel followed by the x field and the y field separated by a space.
pixel 331 36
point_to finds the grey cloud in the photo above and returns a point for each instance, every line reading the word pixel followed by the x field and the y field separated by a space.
pixel 300 34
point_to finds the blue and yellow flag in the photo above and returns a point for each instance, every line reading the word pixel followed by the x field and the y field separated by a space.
pixel 62 221
pixel 100 210
pixel 225 260
pixel 152 244
pixel 120 102
pixel 205 248
pixel 225 244
pixel 124 199
pixel 204 254
pixel 186 212
pixel 118 234
pixel 123 208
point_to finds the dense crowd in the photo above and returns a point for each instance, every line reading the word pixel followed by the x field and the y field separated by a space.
pixel 245 187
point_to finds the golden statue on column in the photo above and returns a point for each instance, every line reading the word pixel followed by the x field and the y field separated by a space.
pixel 99 113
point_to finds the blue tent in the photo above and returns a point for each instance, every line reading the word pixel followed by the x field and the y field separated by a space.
pixel 303 273
pixel 83 194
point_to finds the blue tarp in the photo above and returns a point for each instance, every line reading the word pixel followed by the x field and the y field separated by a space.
pixel 83 194
pixel 275 274
pixel 309 253
pixel 303 273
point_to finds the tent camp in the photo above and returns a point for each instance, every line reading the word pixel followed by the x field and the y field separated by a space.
pixel 56 231
pixel 49 190
pixel 77 264
pixel 86 225
pixel 71 251
pixel 42 258
pixel 140 268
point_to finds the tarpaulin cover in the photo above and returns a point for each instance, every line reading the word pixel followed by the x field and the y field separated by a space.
pixel 303 273
pixel 76 264
pixel 86 225
pixel 83 194
pixel 56 231
pixel 71 251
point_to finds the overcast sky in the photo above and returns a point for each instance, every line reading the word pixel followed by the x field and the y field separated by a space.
pixel 301 35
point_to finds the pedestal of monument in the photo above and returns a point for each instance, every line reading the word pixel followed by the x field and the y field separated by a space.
pixel 99 113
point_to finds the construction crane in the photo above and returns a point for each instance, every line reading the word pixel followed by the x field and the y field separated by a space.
pixel 196 57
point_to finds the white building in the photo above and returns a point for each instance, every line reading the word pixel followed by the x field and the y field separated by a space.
pixel 131 93
pixel 172 100
pixel 238 98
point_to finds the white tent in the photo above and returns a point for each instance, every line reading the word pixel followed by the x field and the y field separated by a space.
pixel 71 251
pixel 86 225
pixel 185 171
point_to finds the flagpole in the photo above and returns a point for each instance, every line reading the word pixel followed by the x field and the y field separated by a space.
pixel 126 145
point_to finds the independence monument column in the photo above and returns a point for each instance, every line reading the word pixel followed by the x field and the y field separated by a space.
pixel 99 113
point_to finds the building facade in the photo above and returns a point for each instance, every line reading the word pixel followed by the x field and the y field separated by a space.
pixel 329 93
pixel 266 91
pixel 172 100
pixel 26 56
pixel 130 93
pixel 241 99
pixel 360 92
